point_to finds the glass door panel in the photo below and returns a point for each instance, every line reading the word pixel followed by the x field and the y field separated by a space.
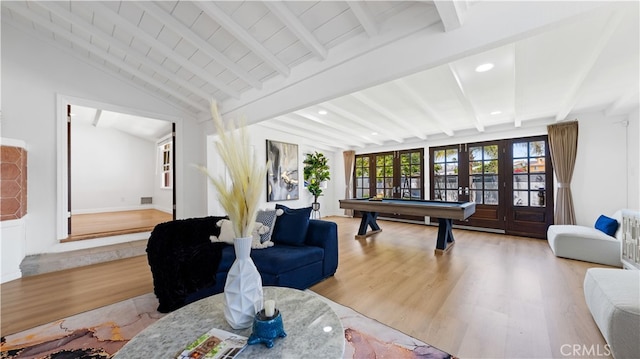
pixel 530 211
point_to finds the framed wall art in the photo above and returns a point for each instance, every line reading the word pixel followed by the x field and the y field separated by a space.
pixel 282 174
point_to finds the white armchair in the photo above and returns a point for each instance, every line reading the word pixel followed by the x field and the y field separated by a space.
pixel 586 243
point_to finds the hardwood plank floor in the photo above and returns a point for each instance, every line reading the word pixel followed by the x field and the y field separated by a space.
pixel 96 225
pixel 490 296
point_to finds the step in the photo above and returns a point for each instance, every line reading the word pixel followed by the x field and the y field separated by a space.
pixel 51 262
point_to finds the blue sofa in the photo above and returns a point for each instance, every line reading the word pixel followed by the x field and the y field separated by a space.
pixel 187 267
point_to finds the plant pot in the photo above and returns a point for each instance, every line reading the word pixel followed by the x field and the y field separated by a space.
pixel 243 290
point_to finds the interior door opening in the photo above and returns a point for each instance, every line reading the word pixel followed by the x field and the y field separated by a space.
pixel 121 173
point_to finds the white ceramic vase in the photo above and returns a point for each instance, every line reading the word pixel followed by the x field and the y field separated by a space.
pixel 243 289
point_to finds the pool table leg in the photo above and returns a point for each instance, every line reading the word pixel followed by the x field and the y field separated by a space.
pixel 368 220
pixel 445 235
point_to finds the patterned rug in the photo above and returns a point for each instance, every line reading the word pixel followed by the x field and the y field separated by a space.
pixel 102 332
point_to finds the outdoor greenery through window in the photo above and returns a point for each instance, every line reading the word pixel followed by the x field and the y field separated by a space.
pixel 483 174
pixel 445 174
pixel 362 177
pixel 396 174
pixel 411 175
pixel 529 173
pixel 384 175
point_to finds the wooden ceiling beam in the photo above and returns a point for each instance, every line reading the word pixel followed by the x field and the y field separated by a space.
pixel 217 14
pixel 289 19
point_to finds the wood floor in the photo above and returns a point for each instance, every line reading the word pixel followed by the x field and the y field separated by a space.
pixel 96 225
pixel 490 296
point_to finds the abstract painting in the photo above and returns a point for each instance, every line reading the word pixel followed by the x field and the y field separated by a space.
pixel 282 174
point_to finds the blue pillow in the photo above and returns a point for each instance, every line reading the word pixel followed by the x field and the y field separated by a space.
pixel 607 225
pixel 291 226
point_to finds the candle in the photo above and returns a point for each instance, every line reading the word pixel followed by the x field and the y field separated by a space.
pixel 269 308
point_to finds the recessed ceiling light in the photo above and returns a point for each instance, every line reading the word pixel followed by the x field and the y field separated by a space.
pixel 496 112
pixel 374 133
pixel 323 112
pixel 484 67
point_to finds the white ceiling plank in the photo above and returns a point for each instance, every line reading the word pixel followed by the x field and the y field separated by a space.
pixel 587 64
pixel 297 28
pixel 100 53
pixel 425 107
pixel 242 35
pixel 362 122
pixel 187 34
pixel 452 13
pixel 368 24
pixel 117 44
pixel 464 100
pixel 388 114
pixel 165 50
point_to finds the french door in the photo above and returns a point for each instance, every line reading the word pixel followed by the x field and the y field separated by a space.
pixel 507 179
pixel 395 174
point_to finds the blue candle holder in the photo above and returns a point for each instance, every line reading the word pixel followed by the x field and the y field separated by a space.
pixel 267 329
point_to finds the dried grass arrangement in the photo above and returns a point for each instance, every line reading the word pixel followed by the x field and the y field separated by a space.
pixel 240 199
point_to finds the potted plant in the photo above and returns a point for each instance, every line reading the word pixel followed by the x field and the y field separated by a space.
pixel 316 173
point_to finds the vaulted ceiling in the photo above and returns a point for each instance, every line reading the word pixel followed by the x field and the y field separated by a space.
pixel 351 74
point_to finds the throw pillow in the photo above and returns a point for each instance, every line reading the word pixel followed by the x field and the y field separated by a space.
pixel 227 235
pixel 268 218
pixel 291 226
pixel 607 225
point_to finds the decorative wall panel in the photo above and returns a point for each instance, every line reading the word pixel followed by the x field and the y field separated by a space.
pixel 13 182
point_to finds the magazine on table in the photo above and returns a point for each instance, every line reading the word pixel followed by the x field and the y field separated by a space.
pixel 215 344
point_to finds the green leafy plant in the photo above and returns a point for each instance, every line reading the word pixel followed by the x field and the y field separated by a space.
pixel 316 171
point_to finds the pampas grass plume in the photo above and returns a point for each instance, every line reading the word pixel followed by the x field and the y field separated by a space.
pixel 240 199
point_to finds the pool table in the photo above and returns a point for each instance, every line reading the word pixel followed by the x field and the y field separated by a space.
pixel 446 212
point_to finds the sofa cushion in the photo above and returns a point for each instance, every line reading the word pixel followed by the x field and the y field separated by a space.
pixel 291 227
pixel 607 225
pixel 268 218
pixel 277 259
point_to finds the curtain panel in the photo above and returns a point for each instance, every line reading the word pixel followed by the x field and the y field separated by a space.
pixel 349 160
pixel 563 147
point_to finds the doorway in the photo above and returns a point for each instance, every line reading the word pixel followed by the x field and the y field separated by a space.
pixel 509 181
pixel 120 173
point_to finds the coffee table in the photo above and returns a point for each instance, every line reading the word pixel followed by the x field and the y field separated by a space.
pixel 313 329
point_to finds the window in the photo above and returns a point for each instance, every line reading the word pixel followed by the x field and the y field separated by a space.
pixel 529 173
pixel 362 177
pixel 397 174
pixel 411 179
pixel 165 150
pixel 483 174
pixel 384 175
pixel 445 174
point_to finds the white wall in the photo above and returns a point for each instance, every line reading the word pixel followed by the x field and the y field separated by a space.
pixel 605 176
pixel 110 170
pixel 33 74
pixel 259 135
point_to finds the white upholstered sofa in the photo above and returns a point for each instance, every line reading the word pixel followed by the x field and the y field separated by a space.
pixel 613 298
pixel 586 243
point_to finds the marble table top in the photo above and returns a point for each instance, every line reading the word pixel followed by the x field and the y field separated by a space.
pixel 313 329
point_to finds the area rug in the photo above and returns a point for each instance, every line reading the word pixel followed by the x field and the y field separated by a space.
pixel 99 333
